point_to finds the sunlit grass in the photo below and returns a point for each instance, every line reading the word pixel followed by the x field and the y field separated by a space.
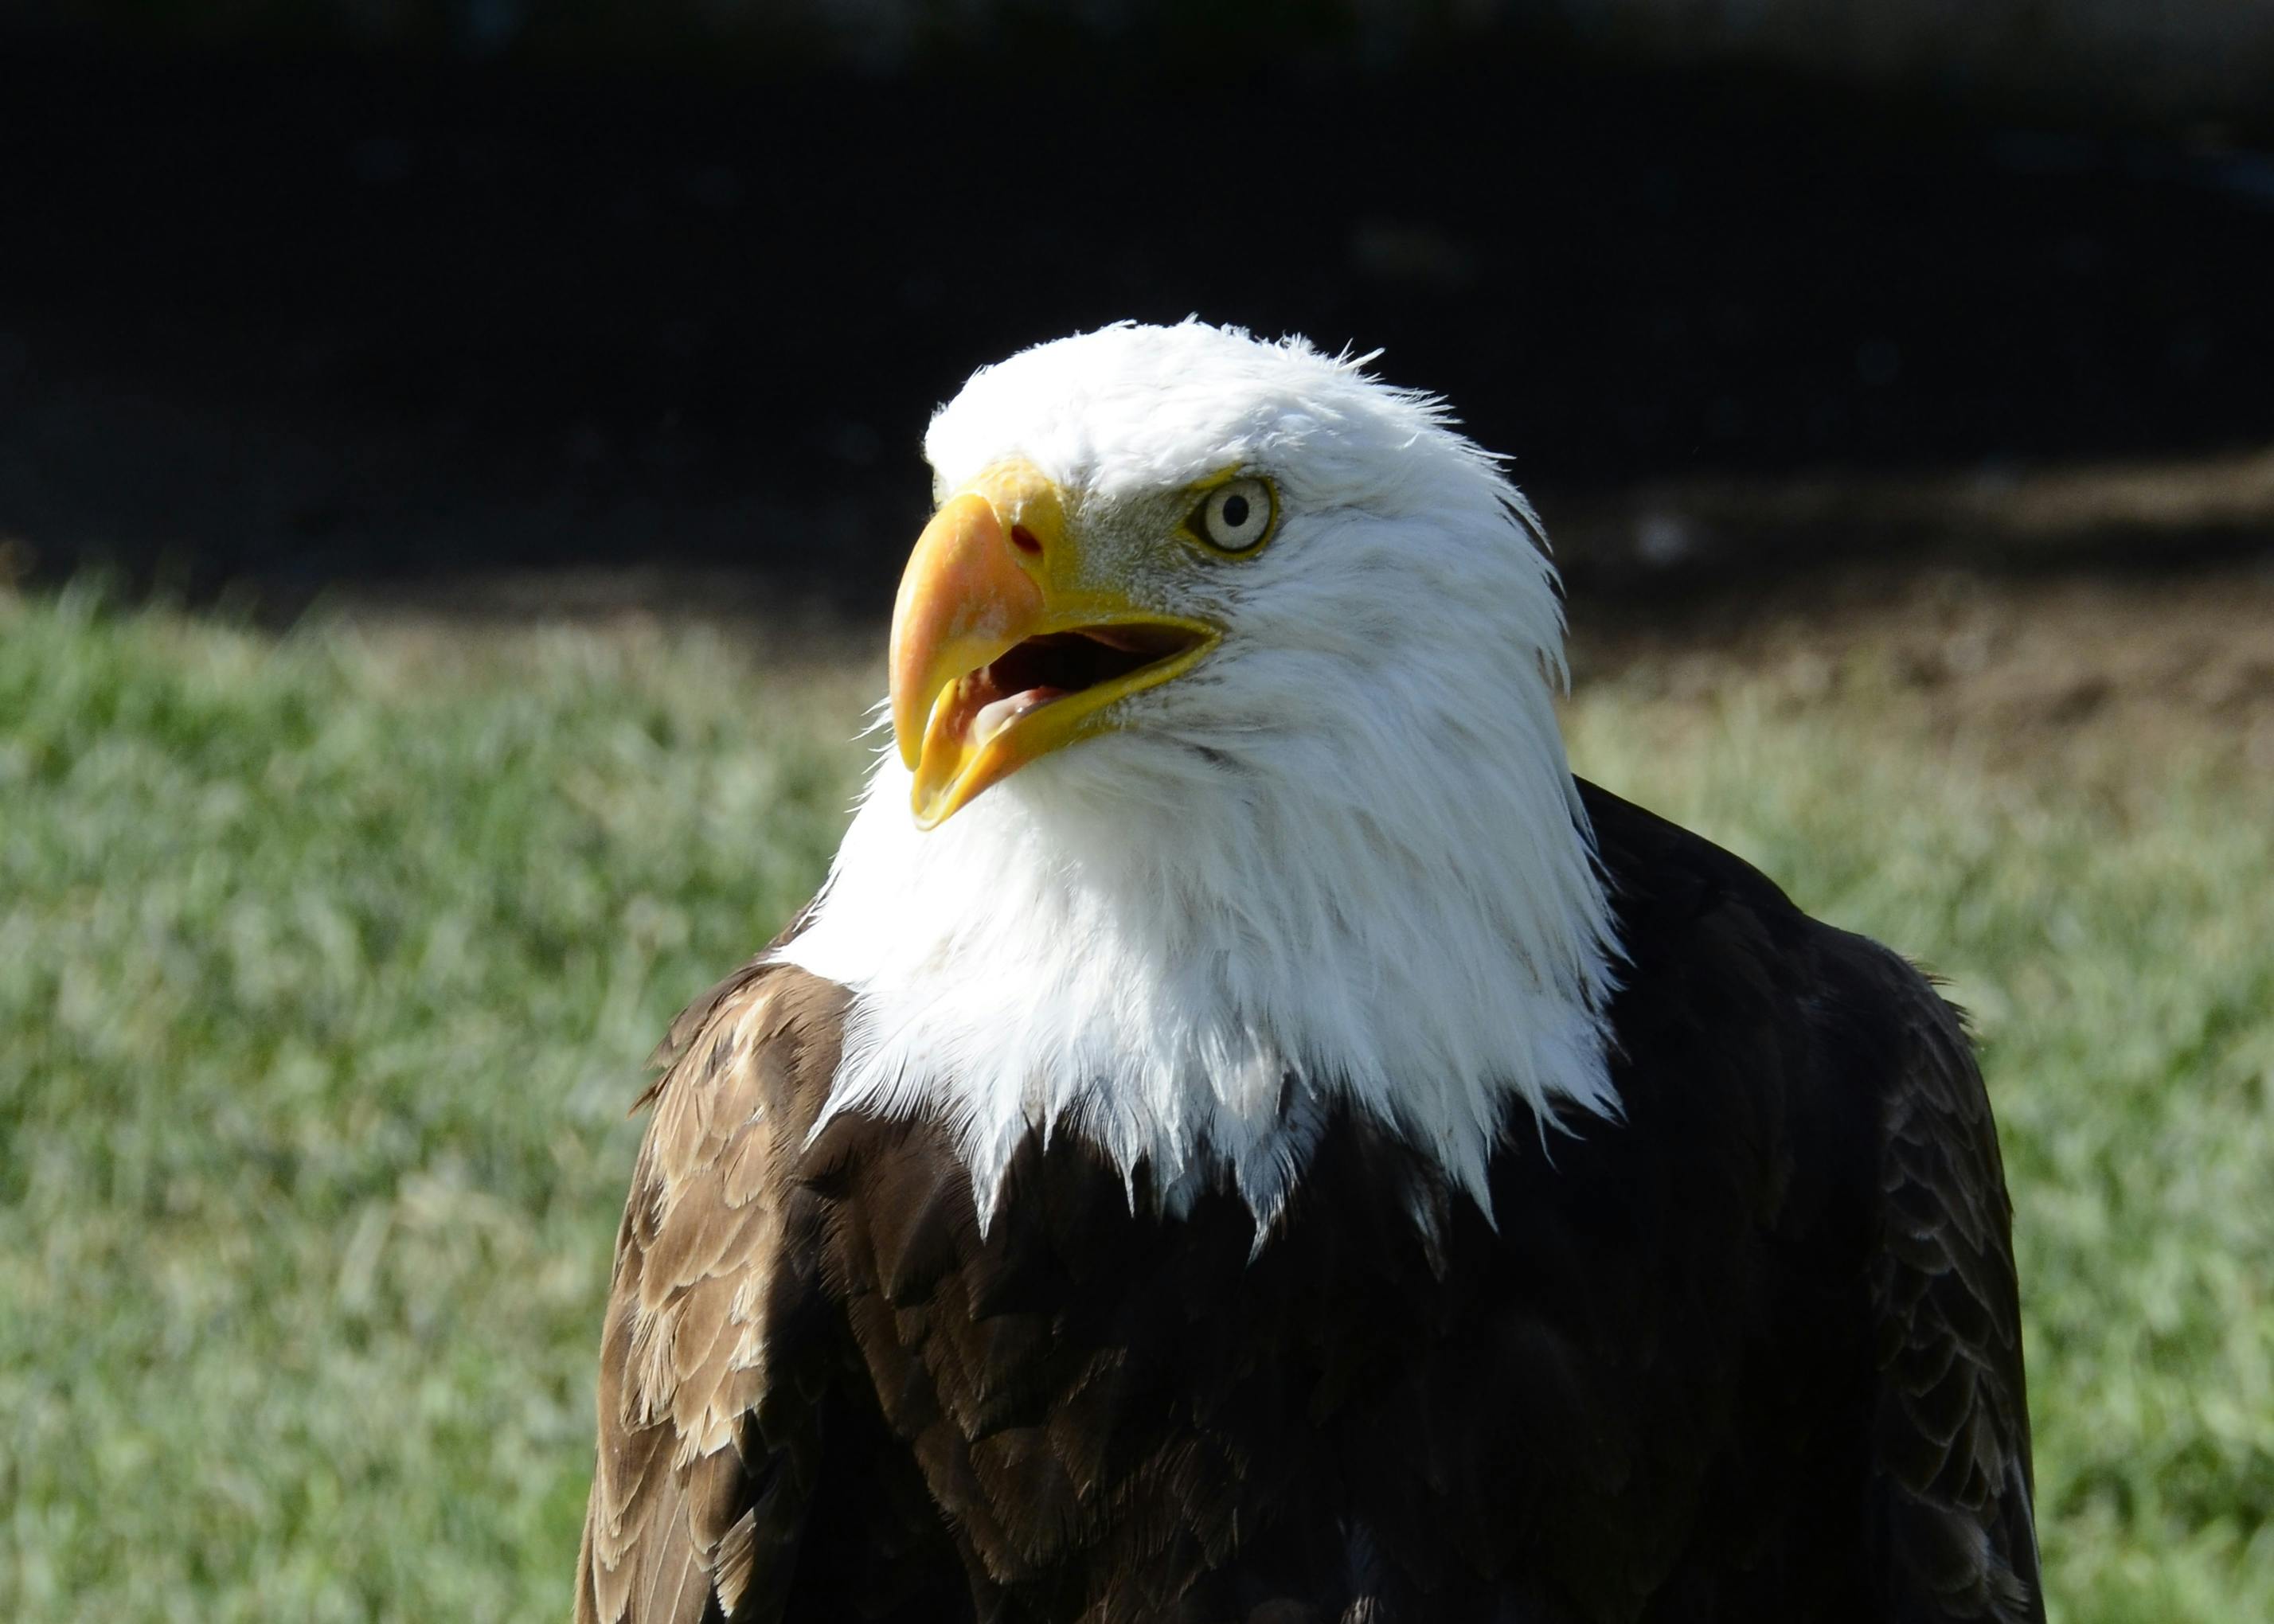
pixel 327 969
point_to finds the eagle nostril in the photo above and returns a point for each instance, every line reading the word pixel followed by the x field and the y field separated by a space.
pixel 1023 538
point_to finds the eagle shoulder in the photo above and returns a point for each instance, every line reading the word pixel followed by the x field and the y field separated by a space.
pixel 708 1445
pixel 1867 1075
pixel 1955 1488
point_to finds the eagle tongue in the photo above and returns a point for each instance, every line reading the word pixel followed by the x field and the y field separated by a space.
pixel 994 717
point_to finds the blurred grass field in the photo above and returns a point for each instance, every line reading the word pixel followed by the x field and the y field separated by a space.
pixel 327 965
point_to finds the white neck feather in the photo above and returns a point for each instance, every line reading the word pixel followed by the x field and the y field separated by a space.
pixel 1143 944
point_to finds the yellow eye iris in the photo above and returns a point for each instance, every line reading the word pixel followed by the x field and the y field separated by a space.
pixel 1236 517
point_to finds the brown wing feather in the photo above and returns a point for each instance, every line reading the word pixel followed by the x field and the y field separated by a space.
pixel 691 1497
pixel 1953 1487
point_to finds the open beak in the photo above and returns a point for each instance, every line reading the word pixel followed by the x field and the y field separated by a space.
pixel 1004 646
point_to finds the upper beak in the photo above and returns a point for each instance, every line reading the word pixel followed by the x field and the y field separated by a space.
pixel 965 595
pixel 996 570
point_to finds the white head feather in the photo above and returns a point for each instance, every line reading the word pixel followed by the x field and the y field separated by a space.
pixel 1341 860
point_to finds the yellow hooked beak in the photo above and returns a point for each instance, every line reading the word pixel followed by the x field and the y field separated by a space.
pixel 1008 643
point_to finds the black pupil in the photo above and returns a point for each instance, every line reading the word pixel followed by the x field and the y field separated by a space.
pixel 1235 511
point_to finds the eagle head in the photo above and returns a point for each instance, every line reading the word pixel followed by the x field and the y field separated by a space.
pixel 1226 787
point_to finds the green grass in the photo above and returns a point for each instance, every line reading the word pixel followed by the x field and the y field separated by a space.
pixel 327 968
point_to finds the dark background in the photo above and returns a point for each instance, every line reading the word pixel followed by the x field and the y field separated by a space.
pixel 302 295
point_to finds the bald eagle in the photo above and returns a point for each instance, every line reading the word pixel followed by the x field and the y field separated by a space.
pixel 1243 1134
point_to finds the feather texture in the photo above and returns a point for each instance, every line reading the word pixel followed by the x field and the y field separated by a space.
pixel 1750 1351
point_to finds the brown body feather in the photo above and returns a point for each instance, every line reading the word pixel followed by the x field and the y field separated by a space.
pixel 1751 1353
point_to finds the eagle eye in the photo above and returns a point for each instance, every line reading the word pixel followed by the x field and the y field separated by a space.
pixel 1236 516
